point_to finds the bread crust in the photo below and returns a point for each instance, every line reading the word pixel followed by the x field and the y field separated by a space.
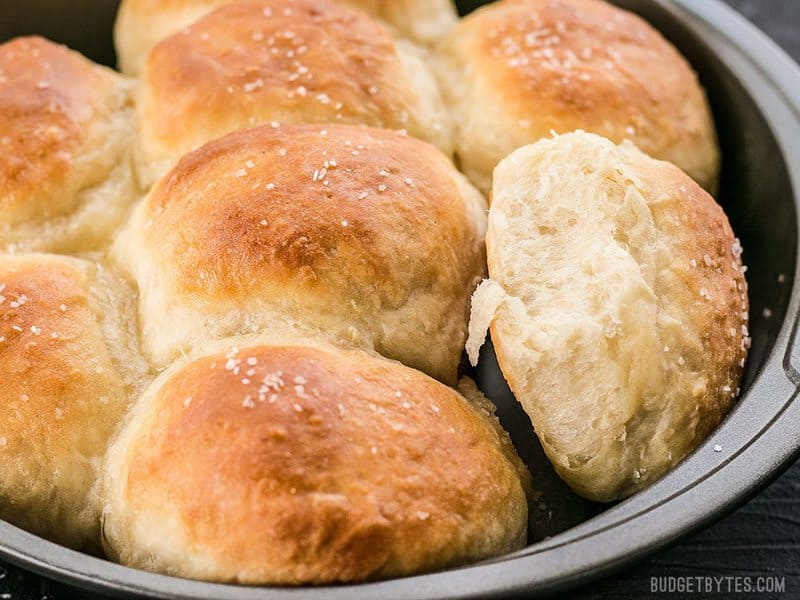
pixel 516 70
pixel 291 462
pixel 287 61
pixel 65 126
pixel 141 24
pixel 67 369
pixel 309 227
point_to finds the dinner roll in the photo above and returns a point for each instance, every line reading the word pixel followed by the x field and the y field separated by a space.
pixel 65 174
pixel 618 308
pixel 362 235
pixel 288 462
pixel 67 365
pixel 141 24
pixel 516 70
pixel 291 61
pixel 422 21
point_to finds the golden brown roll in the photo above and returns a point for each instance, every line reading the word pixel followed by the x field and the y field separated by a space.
pixel 618 308
pixel 288 61
pixel 516 70
pixel 362 235
pixel 67 366
pixel 65 127
pixel 289 462
pixel 141 24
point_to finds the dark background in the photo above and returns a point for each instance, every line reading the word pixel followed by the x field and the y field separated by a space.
pixel 760 539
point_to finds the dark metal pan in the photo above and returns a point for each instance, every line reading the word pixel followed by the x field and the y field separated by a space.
pixel 755 95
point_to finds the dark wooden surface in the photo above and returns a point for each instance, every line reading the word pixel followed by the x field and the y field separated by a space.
pixel 760 539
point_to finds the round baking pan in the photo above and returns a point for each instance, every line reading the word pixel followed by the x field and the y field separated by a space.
pixel 754 90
